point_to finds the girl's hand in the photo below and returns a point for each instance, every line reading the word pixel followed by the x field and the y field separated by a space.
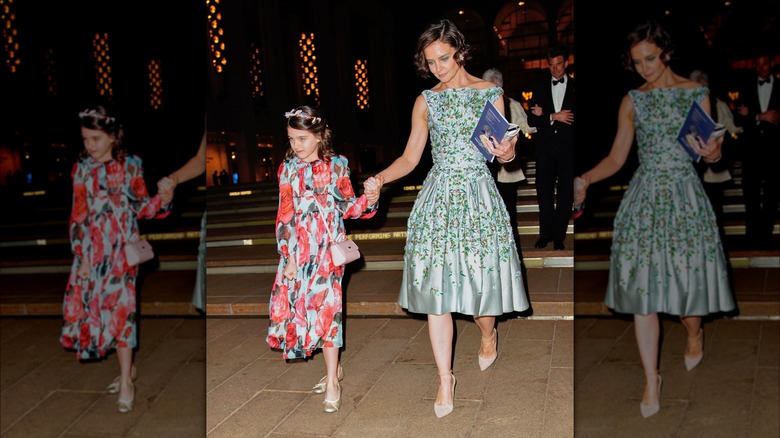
pixel 580 189
pixel 165 188
pixel 291 269
pixel 372 187
pixel 83 271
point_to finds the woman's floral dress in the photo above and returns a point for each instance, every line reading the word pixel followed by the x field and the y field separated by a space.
pixel 666 252
pixel 460 255
pixel 314 200
pixel 108 198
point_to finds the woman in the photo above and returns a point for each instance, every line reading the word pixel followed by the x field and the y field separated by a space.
pixel 460 254
pixel 666 251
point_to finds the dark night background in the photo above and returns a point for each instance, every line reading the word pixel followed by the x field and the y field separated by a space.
pixel 34 120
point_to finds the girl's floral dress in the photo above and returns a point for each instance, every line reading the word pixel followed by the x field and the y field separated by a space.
pixel 314 200
pixel 108 198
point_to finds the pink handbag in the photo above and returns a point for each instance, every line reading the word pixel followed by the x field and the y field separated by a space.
pixel 344 252
pixel 138 252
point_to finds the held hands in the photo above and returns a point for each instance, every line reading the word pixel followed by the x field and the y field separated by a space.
pixel 372 188
pixel 291 269
pixel 165 188
pixel 581 184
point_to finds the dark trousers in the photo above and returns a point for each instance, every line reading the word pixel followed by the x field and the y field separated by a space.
pixel 554 190
pixel 760 188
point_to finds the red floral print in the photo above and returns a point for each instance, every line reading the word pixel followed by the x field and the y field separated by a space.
pixel 100 313
pixel 320 198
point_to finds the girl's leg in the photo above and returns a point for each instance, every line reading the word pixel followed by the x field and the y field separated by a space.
pixel 331 355
pixel 440 331
pixel 125 357
pixel 646 329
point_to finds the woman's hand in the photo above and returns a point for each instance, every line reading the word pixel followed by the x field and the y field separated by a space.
pixel 504 151
pixel 83 271
pixel 581 184
pixel 291 269
pixel 710 151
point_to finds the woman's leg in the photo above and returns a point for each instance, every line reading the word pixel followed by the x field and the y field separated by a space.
pixel 440 331
pixel 694 350
pixel 125 357
pixel 486 325
pixel 331 355
pixel 646 329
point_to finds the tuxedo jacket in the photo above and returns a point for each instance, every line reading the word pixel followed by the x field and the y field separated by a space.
pixel 558 133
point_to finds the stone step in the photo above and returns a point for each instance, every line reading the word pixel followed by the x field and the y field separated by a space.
pixel 370 293
pixel 160 292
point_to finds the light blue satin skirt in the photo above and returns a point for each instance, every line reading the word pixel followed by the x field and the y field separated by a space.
pixel 460 255
pixel 666 250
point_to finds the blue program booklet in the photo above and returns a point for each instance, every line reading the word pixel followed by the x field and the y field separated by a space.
pixel 698 124
pixel 491 122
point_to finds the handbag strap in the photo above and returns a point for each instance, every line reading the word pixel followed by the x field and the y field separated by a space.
pixel 341 236
pixel 119 217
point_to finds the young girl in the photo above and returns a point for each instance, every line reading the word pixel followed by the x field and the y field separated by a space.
pixel 315 195
pixel 109 195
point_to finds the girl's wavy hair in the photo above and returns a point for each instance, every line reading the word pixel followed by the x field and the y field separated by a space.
pixel 652 32
pixel 306 118
pixel 99 118
pixel 446 32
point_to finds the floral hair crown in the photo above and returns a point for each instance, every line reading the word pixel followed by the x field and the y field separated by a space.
pixel 96 114
pixel 299 113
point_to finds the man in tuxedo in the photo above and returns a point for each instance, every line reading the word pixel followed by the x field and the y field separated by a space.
pixel 759 113
pixel 552 114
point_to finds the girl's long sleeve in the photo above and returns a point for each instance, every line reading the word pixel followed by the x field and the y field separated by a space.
pixel 351 207
pixel 285 217
pixel 79 216
pixel 144 206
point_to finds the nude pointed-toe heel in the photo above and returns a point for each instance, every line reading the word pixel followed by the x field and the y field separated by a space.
pixel 446 409
pixel 652 409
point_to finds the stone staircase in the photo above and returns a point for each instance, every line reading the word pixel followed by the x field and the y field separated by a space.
pixel 755 273
pixel 35 255
pixel 242 257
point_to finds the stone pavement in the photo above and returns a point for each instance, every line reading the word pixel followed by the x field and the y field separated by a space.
pixel 46 392
pixel 390 382
pixel 733 392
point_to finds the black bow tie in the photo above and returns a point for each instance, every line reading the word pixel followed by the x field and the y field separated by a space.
pixel 557 82
pixel 760 81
